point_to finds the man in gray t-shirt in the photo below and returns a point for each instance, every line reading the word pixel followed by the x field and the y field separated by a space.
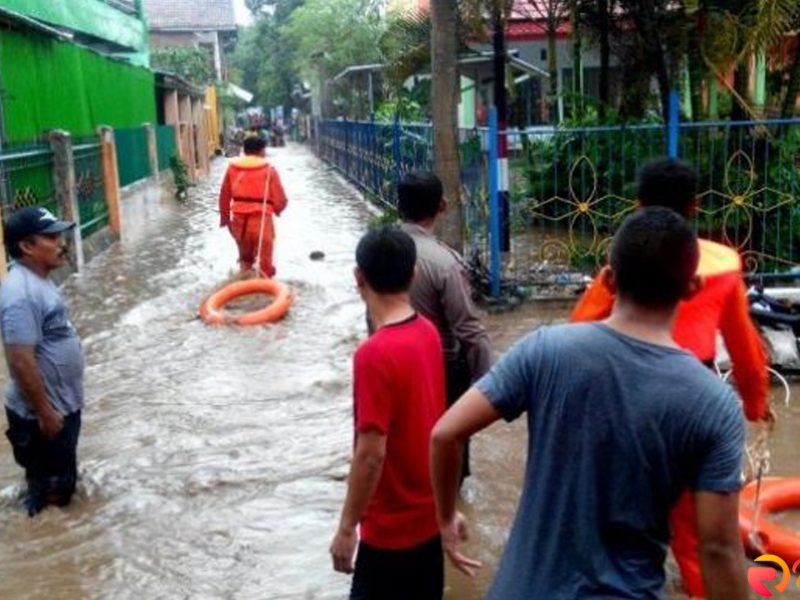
pixel 620 422
pixel 45 395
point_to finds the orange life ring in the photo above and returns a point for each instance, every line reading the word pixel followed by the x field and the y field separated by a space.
pixel 211 309
pixel 777 494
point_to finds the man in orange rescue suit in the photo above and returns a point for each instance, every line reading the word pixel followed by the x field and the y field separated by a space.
pixel 721 305
pixel 250 183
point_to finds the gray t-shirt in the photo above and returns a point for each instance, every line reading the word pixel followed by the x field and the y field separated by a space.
pixel 618 429
pixel 33 313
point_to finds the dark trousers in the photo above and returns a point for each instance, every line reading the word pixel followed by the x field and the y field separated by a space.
pixel 413 574
pixel 51 466
pixel 457 381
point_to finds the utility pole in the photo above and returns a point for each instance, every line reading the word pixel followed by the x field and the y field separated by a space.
pixel 501 102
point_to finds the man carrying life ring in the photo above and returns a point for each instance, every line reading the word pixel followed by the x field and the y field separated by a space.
pixel 251 193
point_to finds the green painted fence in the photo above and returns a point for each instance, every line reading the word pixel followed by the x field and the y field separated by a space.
pixel 133 158
pixel 92 205
pixel 26 177
pixel 165 142
pixel 51 84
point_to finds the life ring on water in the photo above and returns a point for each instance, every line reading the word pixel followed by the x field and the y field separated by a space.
pixel 211 309
pixel 777 494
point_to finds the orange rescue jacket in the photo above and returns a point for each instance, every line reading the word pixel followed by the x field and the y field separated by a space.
pixel 721 305
pixel 243 188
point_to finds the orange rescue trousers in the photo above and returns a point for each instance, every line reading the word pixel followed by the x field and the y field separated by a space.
pixel 245 229
pixel 685 544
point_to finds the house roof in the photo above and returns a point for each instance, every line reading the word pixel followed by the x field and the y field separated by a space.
pixel 529 20
pixel 190 15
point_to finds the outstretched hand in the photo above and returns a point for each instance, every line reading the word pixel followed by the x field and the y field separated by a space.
pixel 453 533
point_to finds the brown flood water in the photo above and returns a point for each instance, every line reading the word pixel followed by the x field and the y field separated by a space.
pixel 213 459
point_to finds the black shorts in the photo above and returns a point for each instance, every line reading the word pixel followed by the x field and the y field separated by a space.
pixel 51 466
pixel 413 574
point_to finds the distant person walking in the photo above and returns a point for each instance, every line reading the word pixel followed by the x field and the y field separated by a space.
pixel 398 391
pixel 621 422
pixel 441 290
pixel 251 193
pixel 45 395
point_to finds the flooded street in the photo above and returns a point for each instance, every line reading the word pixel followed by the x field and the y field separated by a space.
pixel 213 459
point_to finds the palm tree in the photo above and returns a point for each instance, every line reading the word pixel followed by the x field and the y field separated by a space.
pixel 552 14
pixel 735 30
pixel 793 85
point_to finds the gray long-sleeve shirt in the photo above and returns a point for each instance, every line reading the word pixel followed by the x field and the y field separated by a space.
pixel 441 293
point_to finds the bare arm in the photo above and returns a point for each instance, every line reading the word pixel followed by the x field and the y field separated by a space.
pixel 470 414
pixel 225 201
pixel 365 473
pixel 721 552
pixel 748 358
pixel 25 371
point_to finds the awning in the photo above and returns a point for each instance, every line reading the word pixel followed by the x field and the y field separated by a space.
pixel 242 94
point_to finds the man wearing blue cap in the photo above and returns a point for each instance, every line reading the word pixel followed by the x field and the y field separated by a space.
pixel 45 360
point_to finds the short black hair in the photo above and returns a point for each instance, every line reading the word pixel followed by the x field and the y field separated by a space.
pixel 14 248
pixel 669 183
pixel 254 144
pixel 419 195
pixel 386 257
pixel 654 256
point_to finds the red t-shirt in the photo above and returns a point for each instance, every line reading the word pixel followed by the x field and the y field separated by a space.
pixel 398 385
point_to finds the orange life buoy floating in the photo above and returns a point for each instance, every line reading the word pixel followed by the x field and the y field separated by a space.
pixel 211 309
pixel 777 494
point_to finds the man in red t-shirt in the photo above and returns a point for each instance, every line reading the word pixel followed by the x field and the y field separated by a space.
pixel 399 393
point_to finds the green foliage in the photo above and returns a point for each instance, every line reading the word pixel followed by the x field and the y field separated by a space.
pixel 180 173
pixel 406 46
pixel 404 105
pixel 193 64
pixel 264 58
pixel 331 35
pixel 388 216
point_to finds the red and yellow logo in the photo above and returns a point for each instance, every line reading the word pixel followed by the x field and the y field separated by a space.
pixel 758 576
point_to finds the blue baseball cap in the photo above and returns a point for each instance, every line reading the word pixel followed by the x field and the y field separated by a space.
pixel 33 220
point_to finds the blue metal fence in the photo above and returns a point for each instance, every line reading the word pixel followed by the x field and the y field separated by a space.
pixel 570 188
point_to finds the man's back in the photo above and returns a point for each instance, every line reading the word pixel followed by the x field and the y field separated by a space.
pixel 399 391
pixel 618 428
pixel 719 306
pixel 441 293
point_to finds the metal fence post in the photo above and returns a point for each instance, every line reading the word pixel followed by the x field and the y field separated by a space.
pixel 494 204
pixel 396 148
pixel 108 154
pixel 347 147
pixel 65 188
pixel 672 126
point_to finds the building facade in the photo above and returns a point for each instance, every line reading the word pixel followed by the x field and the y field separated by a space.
pixel 207 24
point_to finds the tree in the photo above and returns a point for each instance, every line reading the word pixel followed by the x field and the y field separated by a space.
pixel 597 17
pixel 444 101
pixel 733 31
pixel 552 14
pixel 263 62
pixel 193 64
pixel 793 83
pixel 331 35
